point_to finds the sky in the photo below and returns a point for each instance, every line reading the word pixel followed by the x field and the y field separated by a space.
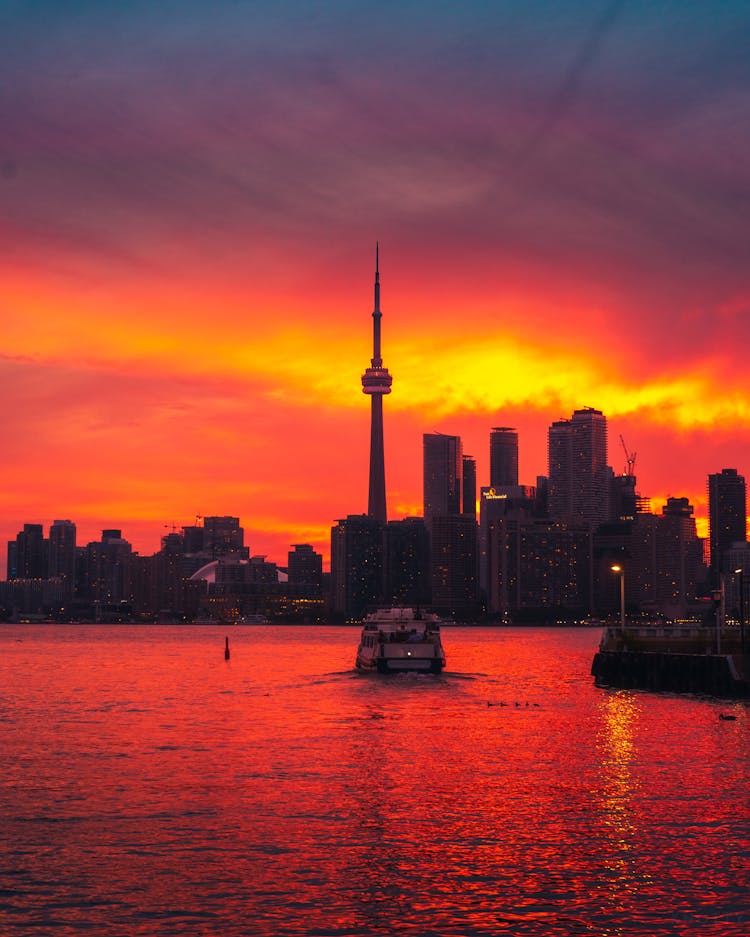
pixel 190 197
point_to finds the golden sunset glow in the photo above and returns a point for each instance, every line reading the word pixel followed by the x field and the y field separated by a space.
pixel 187 279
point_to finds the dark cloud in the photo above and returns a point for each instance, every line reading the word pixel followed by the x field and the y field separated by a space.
pixel 164 137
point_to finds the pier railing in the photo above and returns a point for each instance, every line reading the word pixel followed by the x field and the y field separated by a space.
pixel 672 637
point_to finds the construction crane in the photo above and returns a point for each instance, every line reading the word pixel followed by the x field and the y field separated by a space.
pixel 629 459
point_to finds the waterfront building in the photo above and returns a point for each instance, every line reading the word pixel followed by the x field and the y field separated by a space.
pixel 109 570
pixel 678 558
pixel 223 536
pixel 538 564
pixel 31 599
pixel 161 579
pixel 727 516
pixel 610 545
pixel 454 565
pixel 503 456
pixel 356 565
pixel 12 564
pixel 29 557
pixel 641 567
pixel 737 578
pixel 578 472
pixel 305 570
pixel 62 555
pixel 518 501
pixel 442 475
pixel 376 382
pixel 407 558
pixel 623 499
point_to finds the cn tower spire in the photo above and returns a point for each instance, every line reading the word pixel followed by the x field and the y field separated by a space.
pixel 376 381
pixel 377 315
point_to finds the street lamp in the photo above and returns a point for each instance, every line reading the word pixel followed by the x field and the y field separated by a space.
pixel 616 568
pixel 741 574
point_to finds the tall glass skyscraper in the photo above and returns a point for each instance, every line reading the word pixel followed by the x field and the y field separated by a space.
pixel 62 554
pixel 727 515
pixel 443 472
pixel 469 486
pixel 578 474
pixel 503 457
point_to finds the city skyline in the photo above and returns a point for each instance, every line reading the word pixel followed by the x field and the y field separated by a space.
pixel 187 234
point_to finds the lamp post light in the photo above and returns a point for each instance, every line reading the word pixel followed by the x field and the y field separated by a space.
pixel 616 568
pixel 741 574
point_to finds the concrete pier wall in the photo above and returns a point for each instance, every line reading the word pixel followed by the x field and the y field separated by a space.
pixel 714 674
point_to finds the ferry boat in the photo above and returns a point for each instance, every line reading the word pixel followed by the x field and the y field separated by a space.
pixel 395 640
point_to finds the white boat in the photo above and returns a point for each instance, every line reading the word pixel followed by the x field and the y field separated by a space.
pixel 395 640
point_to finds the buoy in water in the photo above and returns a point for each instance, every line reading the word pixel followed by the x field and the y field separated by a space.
pixel 226 649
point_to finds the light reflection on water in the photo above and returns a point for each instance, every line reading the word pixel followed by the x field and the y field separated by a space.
pixel 150 787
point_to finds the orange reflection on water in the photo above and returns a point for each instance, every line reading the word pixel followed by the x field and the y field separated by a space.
pixel 618 792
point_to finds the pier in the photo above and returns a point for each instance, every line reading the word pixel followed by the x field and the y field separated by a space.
pixel 679 658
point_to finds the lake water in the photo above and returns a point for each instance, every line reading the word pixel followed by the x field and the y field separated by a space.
pixel 149 787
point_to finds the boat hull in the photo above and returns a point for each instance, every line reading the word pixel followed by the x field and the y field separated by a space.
pixel 400 664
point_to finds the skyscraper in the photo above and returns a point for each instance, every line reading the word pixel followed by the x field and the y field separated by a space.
pixel 376 381
pixel 62 554
pixel 222 535
pixel 452 526
pixel 454 565
pixel 356 565
pixel 469 486
pixel 30 556
pixel 305 569
pixel 727 513
pixel 578 473
pixel 678 558
pixel 407 553
pixel 537 564
pixel 503 457
pixel 109 569
pixel 443 467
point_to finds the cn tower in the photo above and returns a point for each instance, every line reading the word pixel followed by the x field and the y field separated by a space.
pixel 376 381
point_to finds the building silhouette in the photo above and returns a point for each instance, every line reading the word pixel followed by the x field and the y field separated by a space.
pixel 63 554
pixel 407 558
pixel 223 536
pixel 356 565
pixel 678 558
pixel 450 518
pixel 159 581
pixel 454 566
pixel 536 564
pixel 108 578
pixel 578 472
pixel 442 475
pixel 503 456
pixel 738 558
pixel 28 555
pixel 376 381
pixel 727 516
pixel 506 501
pixel 641 570
pixel 305 570
pixel 469 486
